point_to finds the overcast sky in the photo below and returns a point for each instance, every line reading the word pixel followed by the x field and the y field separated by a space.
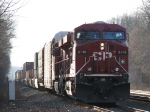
pixel 39 20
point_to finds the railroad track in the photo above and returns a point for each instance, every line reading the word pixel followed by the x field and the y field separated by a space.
pixel 99 108
pixel 129 109
pixel 103 108
pixel 118 108
pixel 140 97
pixel 113 108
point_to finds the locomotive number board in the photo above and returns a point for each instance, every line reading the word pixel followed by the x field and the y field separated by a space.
pixel 81 52
pixel 122 52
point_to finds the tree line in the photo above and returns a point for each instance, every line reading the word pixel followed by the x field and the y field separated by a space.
pixel 8 8
pixel 138 27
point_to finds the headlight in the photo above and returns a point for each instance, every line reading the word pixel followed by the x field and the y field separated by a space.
pixel 89 69
pixel 102 44
pixel 102 48
pixel 116 69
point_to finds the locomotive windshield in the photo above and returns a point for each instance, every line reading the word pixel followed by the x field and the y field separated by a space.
pixel 87 35
pixel 113 35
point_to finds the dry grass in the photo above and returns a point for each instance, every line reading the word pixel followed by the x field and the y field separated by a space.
pixel 4 92
pixel 17 93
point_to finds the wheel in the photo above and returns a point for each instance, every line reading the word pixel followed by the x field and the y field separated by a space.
pixel 70 89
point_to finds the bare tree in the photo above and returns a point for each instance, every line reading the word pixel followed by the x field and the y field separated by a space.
pixel 7 31
pixel 138 26
pixel 146 11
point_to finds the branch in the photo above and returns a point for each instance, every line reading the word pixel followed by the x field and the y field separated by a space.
pixel 6 8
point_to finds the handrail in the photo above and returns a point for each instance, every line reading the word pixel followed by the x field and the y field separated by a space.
pixel 61 61
pixel 82 67
pixel 67 69
pixel 120 65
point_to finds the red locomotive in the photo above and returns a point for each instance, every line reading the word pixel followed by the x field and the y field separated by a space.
pixel 89 64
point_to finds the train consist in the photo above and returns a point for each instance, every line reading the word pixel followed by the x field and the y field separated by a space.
pixel 89 64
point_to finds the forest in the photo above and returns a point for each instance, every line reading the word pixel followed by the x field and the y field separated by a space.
pixel 138 27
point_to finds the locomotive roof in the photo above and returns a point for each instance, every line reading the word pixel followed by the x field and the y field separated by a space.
pixel 58 36
pixel 99 25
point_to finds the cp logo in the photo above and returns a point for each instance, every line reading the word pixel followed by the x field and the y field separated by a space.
pixel 101 55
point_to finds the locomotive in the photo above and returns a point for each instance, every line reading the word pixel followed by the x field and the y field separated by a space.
pixel 89 64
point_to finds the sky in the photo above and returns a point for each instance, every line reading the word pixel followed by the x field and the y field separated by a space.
pixel 39 20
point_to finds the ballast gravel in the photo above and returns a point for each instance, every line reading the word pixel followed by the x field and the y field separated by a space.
pixel 33 100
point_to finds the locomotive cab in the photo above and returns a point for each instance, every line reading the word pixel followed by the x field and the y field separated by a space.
pixel 100 60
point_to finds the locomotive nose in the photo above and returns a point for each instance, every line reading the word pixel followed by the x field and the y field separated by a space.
pixel 102 91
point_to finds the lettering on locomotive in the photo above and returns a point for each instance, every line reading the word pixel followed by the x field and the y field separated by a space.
pixel 101 55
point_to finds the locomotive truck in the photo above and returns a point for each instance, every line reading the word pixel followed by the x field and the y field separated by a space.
pixel 89 64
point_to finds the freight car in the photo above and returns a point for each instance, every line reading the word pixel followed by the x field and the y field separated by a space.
pixel 18 75
pixel 27 72
pixel 89 64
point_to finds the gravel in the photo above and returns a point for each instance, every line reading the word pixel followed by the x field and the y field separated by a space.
pixel 33 100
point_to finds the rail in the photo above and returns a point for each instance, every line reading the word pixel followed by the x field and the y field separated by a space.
pixel 129 109
pixel 140 97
